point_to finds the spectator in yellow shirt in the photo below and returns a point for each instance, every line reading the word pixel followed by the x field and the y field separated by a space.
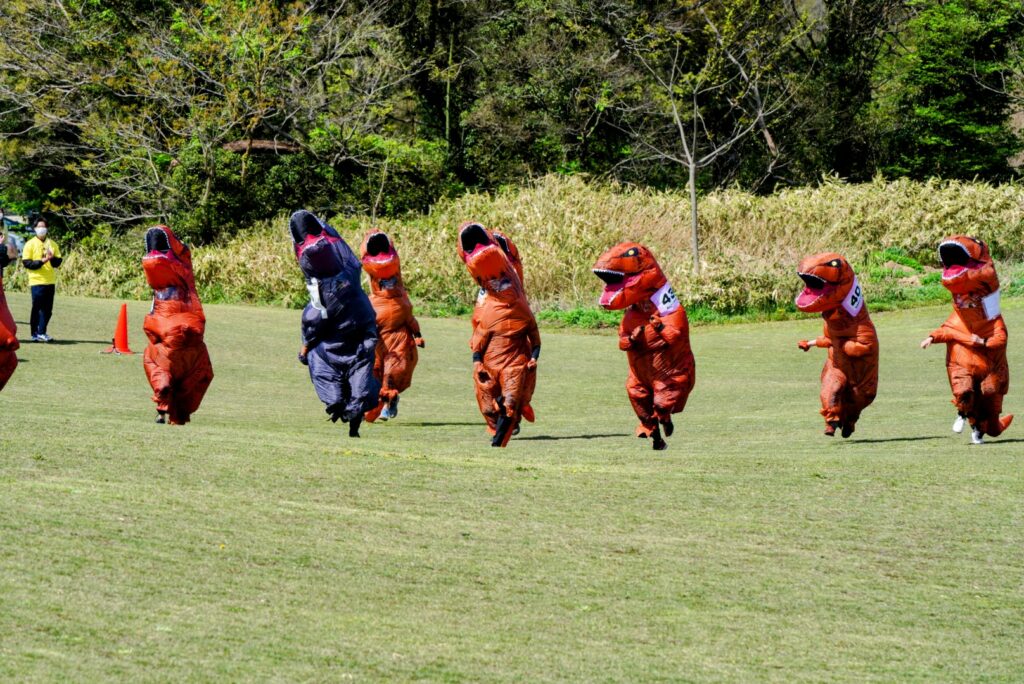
pixel 41 257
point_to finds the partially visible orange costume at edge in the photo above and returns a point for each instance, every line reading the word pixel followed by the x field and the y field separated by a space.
pixel 8 330
pixel 505 341
pixel 176 360
pixel 654 333
pixel 398 329
pixel 849 379
pixel 975 335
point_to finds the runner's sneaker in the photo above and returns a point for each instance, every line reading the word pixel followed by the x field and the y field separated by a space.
pixel 45 338
pixel 977 437
pixel 958 424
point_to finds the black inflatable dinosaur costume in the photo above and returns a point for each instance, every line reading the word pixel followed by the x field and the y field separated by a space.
pixel 339 325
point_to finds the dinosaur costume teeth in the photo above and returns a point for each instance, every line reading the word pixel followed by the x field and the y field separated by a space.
pixel 399 331
pixel 505 341
pixel 339 328
pixel 654 333
pixel 975 335
pixel 176 360
pixel 849 379
pixel 8 330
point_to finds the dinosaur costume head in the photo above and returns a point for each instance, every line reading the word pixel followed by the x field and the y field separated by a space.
pixel 828 279
pixel 380 260
pixel 488 261
pixel 320 251
pixel 631 274
pixel 967 267
pixel 168 262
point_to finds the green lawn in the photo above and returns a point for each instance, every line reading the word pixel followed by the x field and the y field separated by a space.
pixel 259 542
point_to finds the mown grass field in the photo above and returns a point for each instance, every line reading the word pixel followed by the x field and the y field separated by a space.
pixel 259 543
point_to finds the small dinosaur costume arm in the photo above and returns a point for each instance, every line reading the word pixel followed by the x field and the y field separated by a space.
pixel 176 360
pixel 849 379
pixel 654 333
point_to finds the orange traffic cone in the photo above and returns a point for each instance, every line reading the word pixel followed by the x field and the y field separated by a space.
pixel 120 341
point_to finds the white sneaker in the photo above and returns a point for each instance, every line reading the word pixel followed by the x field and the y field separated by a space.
pixel 977 437
pixel 958 424
pixel 385 415
pixel 46 338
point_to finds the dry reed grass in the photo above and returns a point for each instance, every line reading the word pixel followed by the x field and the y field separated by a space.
pixel 750 244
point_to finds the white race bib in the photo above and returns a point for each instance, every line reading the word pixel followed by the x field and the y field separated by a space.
pixel 990 304
pixel 854 301
pixel 665 299
pixel 314 297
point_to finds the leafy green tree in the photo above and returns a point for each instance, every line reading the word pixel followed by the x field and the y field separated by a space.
pixel 941 108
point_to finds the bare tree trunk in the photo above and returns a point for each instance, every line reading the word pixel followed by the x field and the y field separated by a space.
pixel 692 187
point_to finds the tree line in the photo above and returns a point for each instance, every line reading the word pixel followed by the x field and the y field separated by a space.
pixel 212 114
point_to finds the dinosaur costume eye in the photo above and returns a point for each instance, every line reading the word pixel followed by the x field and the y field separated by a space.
pixel 835 263
pixel 631 252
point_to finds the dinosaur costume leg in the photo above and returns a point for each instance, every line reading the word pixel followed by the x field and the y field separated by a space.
pixel 179 385
pixel 8 362
pixel 989 403
pixel 833 391
pixel 487 393
pixel 395 361
pixel 859 395
pixel 191 384
pixel 961 382
pixel 378 372
pixel 515 383
pixel 642 398
pixel 8 340
pixel 156 365
pixel 342 374
pixel 671 392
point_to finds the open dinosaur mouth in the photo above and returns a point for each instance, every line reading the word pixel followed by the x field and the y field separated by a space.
pixel 157 243
pixel 378 248
pixel 956 260
pixel 615 283
pixel 473 238
pixel 815 288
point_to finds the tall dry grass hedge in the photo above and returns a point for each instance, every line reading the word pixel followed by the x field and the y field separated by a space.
pixel 750 244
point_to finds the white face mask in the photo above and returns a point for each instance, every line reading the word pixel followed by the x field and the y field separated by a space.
pixel 41 232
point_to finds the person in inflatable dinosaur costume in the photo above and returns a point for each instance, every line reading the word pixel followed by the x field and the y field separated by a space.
pixel 176 360
pixel 8 330
pixel 654 333
pixel 339 326
pixel 505 341
pixel 849 379
pixel 975 337
pixel 398 329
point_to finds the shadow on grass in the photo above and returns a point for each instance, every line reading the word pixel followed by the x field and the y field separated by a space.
pixel 61 342
pixel 892 439
pixel 430 423
pixel 1004 441
pixel 552 437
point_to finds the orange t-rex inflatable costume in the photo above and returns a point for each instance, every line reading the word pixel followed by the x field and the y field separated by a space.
pixel 505 341
pixel 654 333
pixel 8 330
pixel 176 360
pixel 398 329
pixel 849 379
pixel 975 337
